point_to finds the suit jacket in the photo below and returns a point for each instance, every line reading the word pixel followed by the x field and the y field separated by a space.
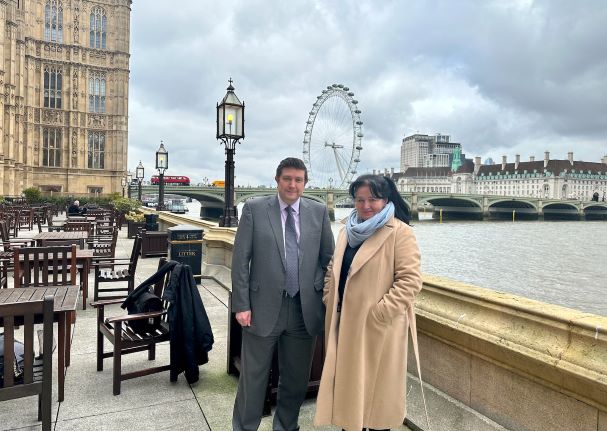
pixel 259 269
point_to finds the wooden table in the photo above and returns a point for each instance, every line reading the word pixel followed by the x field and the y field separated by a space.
pixel 84 257
pixel 46 238
pixel 66 298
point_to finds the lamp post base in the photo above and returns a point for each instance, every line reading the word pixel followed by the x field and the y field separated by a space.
pixel 229 218
pixel 228 222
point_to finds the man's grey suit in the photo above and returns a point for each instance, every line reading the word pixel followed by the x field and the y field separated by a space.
pixel 258 283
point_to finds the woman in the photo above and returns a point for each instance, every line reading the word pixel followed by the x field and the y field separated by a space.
pixel 369 292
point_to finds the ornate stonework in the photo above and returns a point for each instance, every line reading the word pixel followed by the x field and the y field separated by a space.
pixel 37 105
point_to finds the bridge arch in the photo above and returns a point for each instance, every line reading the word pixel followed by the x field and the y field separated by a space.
pixel 454 207
pixel 595 211
pixel 561 211
pixel 509 208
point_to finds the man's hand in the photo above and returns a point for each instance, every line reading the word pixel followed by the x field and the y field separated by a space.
pixel 244 318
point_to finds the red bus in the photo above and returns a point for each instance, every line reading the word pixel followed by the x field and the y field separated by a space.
pixel 170 180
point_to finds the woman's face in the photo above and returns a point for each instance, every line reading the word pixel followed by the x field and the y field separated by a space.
pixel 366 204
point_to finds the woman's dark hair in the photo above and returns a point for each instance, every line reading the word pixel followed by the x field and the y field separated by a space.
pixel 383 188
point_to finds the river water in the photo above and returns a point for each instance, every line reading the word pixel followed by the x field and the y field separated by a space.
pixel 563 263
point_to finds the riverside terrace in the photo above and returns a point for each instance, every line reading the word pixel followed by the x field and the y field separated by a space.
pixel 489 357
pixel 150 402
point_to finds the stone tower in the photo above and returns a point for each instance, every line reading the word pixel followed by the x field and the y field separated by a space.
pixel 65 79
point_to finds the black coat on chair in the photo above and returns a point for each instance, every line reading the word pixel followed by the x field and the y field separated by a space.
pixel 191 336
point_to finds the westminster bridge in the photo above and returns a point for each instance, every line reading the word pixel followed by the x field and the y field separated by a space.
pixel 441 205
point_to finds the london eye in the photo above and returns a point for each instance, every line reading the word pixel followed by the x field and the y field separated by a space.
pixel 333 138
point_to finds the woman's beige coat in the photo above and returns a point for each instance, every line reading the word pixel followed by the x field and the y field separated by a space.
pixel 363 379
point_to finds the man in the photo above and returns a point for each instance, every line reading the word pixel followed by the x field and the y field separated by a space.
pixel 282 248
pixel 74 209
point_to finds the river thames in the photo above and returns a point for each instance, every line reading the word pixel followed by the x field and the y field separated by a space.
pixel 563 263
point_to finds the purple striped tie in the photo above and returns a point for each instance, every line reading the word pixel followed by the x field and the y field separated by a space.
pixel 292 254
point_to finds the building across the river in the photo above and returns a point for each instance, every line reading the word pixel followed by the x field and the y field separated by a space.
pixel 429 151
pixel 547 178
pixel 64 111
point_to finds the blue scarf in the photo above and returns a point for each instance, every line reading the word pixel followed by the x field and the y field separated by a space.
pixel 359 230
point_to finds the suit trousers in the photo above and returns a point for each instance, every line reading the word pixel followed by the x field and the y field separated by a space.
pixel 295 350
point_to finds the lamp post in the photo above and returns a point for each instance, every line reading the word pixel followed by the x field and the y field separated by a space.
pixel 123 184
pixel 139 175
pixel 162 164
pixel 129 180
pixel 205 182
pixel 230 129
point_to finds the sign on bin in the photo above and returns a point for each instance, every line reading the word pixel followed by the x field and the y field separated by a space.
pixel 185 246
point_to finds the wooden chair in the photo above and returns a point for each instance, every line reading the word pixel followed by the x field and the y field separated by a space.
pixel 8 217
pixel 119 332
pixel 26 219
pixel 104 245
pixel 5 261
pixel 45 266
pixel 111 270
pixel 10 243
pixel 79 226
pixel 37 374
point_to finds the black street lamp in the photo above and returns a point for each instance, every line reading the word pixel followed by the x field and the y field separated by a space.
pixel 162 164
pixel 139 175
pixel 129 181
pixel 230 129
pixel 123 184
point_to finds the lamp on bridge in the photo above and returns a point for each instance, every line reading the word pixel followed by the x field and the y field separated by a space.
pixel 129 180
pixel 139 175
pixel 230 129
pixel 123 184
pixel 162 164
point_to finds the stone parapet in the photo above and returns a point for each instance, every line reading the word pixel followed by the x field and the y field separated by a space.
pixel 525 364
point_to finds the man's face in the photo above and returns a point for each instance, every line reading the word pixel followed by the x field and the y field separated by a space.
pixel 291 184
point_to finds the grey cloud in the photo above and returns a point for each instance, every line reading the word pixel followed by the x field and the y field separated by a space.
pixel 498 76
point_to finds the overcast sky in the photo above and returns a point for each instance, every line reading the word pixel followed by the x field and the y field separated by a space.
pixel 501 77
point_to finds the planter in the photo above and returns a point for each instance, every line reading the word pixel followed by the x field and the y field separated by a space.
pixel 120 220
pixel 153 243
pixel 133 228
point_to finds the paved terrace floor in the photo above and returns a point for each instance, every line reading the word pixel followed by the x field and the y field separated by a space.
pixel 146 403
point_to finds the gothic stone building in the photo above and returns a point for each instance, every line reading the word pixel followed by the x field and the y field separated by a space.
pixel 64 112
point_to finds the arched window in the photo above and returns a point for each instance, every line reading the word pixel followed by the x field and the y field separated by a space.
pixel 96 150
pixel 97 92
pixel 51 147
pixel 52 87
pixel 53 21
pixel 98 29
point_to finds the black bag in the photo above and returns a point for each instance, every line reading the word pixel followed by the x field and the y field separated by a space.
pixel 17 365
pixel 145 302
